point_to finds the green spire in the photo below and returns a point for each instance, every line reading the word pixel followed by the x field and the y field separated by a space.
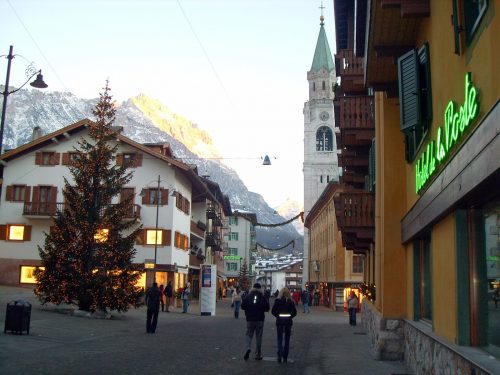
pixel 322 54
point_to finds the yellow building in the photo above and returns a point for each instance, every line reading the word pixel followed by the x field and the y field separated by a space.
pixel 433 68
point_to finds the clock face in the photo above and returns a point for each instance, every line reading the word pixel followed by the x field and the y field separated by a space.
pixel 324 116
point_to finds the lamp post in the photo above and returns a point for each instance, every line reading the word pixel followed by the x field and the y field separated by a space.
pixel 37 83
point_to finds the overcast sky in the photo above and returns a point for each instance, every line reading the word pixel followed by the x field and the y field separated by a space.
pixel 236 67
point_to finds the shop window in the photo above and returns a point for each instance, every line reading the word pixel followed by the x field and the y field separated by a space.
pixel 324 139
pixel 28 274
pixel 422 279
pixel 415 98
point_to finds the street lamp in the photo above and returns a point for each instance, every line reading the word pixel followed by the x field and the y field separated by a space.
pixel 37 83
pixel 157 199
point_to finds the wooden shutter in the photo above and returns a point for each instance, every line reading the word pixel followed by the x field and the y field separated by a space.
pixel 27 233
pixel 9 193
pixel 409 90
pixel 38 158
pixel 145 198
pixel 53 199
pixel 27 193
pixel 167 237
pixel 36 194
pixel 137 160
pixel 119 160
pixel 54 158
pixel 164 196
pixel 65 158
pixel 140 239
pixel 3 232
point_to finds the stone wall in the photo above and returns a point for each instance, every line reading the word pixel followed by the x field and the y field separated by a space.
pixel 426 356
pixel 386 335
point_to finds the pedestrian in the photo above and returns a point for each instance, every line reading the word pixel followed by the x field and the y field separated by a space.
pixel 296 298
pixel 185 298
pixel 236 302
pixel 168 295
pixel 162 295
pixel 153 304
pixel 267 294
pixel 220 294
pixel 352 306
pixel 305 301
pixel 255 306
pixel 284 310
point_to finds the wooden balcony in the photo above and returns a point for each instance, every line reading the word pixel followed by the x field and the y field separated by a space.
pixel 348 64
pixel 197 231
pixel 43 210
pixel 355 211
pixel 355 179
pixel 356 112
pixel 353 159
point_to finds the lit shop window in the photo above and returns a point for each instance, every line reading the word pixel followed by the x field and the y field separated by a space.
pixel 153 235
pixel 101 235
pixel 16 233
pixel 141 281
pixel 28 274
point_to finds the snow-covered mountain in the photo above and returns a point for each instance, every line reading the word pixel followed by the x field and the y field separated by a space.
pixel 144 120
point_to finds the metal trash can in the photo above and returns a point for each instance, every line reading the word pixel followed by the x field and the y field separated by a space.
pixel 18 316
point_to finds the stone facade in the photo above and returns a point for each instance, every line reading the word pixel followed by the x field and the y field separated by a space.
pixel 424 355
pixel 386 335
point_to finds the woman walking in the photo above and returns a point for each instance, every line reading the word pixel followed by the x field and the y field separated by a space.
pixel 284 310
pixel 236 302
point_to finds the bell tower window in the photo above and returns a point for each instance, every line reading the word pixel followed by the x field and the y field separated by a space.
pixel 324 139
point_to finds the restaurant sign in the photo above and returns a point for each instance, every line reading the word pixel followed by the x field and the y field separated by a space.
pixel 456 121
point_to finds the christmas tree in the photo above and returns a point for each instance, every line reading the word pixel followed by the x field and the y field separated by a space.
pixel 243 279
pixel 89 251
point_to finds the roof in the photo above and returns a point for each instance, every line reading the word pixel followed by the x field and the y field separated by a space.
pixel 198 186
pixel 322 55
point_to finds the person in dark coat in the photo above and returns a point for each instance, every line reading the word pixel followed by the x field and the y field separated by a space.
pixel 255 306
pixel 153 296
pixel 168 295
pixel 284 310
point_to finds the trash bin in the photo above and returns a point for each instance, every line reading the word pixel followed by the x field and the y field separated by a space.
pixel 18 316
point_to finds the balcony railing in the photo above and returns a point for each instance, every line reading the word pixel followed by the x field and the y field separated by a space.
pixel 355 209
pixel 348 63
pixel 196 230
pixel 356 112
pixel 49 209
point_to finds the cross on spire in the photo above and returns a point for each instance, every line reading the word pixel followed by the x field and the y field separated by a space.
pixel 322 18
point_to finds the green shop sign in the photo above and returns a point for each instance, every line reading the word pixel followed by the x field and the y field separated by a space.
pixel 232 257
pixel 456 121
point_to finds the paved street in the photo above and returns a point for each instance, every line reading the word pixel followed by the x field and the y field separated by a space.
pixel 322 343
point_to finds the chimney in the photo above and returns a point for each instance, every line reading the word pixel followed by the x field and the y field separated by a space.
pixel 37 133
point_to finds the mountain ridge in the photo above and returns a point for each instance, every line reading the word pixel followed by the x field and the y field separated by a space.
pixel 146 120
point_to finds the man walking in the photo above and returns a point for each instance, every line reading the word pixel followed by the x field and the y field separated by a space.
pixel 305 301
pixel 153 296
pixel 255 305
pixel 168 294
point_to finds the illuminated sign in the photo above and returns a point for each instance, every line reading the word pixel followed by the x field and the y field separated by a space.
pixel 232 257
pixel 456 121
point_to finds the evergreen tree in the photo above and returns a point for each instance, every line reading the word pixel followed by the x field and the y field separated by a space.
pixel 243 279
pixel 87 255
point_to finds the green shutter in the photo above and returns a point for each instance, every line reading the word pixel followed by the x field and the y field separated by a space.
pixel 409 90
pixel 425 85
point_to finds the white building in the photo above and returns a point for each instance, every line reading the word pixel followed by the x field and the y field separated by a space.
pixel 320 146
pixel 31 193
pixel 240 244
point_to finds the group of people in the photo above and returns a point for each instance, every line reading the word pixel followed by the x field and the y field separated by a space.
pixel 162 296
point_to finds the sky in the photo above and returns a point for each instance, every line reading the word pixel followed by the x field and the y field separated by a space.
pixel 237 68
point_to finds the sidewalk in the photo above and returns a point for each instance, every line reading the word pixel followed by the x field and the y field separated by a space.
pixel 322 343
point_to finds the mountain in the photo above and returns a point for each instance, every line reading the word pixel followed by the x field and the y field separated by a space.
pixel 145 120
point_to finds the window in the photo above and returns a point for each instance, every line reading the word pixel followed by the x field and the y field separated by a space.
pixel 233 236
pixel 101 235
pixel 233 220
pixel 422 279
pixel 153 236
pixel 324 139
pixel 357 263
pixel 232 266
pixel 232 251
pixel 129 159
pixel 28 274
pixel 321 179
pixel 18 193
pixel 181 241
pixel 182 203
pixel 70 158
pixel 15 232
pixel 323 86
pixel 415 98
pixel 47 158
pixel 314 86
